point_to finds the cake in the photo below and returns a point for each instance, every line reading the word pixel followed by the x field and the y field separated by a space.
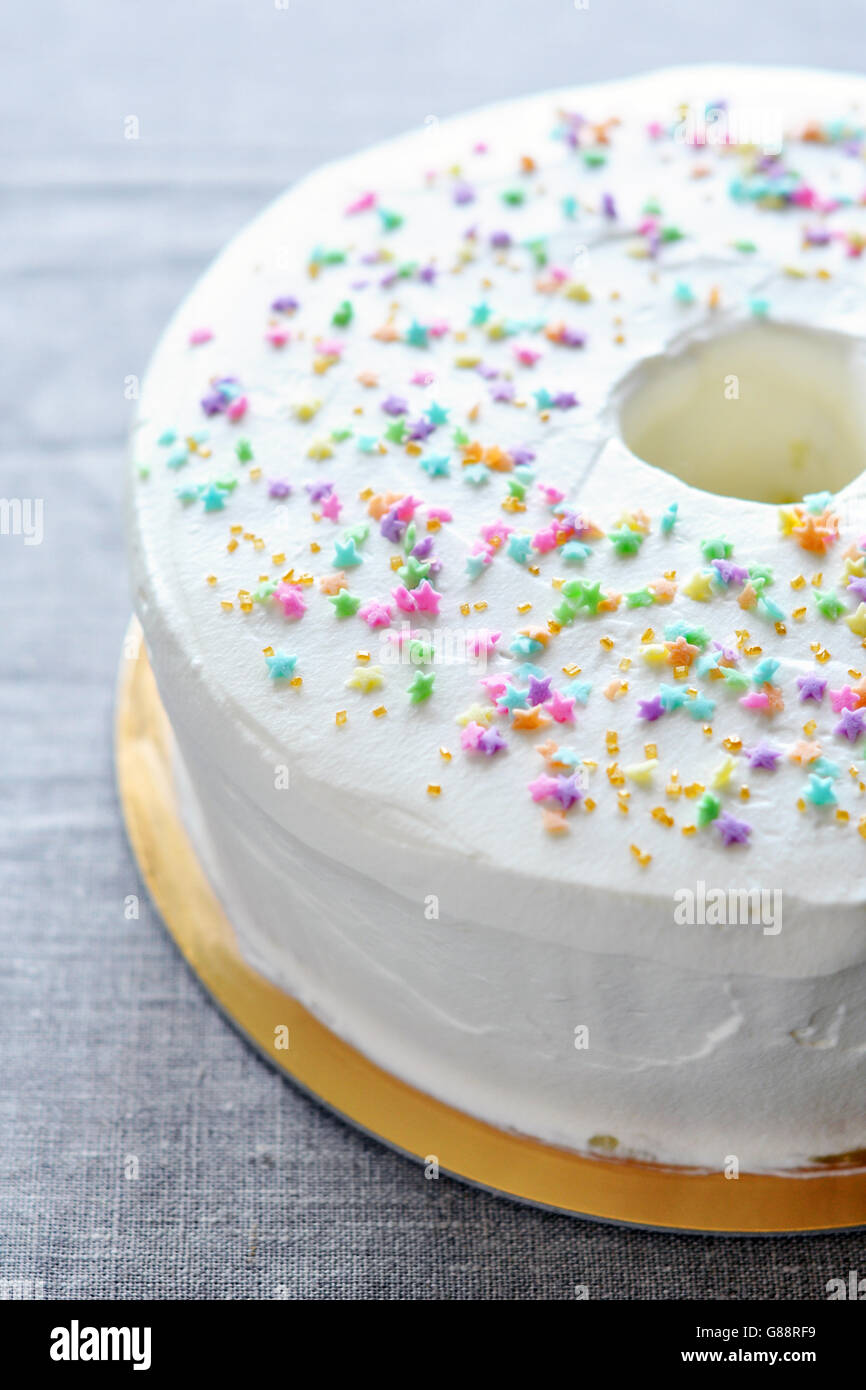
pixel 498 534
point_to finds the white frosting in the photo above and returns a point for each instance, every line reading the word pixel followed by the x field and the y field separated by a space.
pixel 704 1041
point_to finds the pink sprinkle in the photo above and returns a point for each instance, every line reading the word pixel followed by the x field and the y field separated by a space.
pixel 427 600
pixel 544 540
pixel 403 599
pixel 471 735
pixel 238 408
pixel 331 507
pixel 376 614
pixel 277 336
pixel 362 204
pixel 291 599
pixel 844 699
pixel 423 379
pixel 200 335
pixel 756 699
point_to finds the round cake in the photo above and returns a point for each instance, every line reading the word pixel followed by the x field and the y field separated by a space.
pixel 498 533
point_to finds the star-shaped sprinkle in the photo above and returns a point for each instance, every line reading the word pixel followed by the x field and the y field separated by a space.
pixel 345 554
pixel 290 598
pixel 421 687
pixel 543 787
pixel 763 755
pixel 365 678
pixel 213 498
pixel 829 604
pixel 281 666
pixel 733 831
pixel 539 690
pixel 811 687
pixel 857 621
pixel 819 791
pixel 851 725
pixel 651 709
pixel 345 604
pixel 376 614
pixel 625 541
pixel 561 708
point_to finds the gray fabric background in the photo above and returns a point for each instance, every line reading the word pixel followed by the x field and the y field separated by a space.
pixel 111 1058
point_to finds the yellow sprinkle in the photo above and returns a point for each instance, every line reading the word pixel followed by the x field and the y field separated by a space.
pixel 642 858
pixel 480 607
pixel 315 547
pixel 341 716
pixel 445 753
pixel 650 750
pixel 523 607
pixel 606 642
pixel 689 829
pixel 861 826
pixel 296 681
pixel 842 815
pixel 226 604
pixel 780 628
pixel 798 614
pixel 798 582
pixel 641 772
pixel 571 671
pixel 232 545
pixel 211 579
pixel 660 814
pixel 379 711
pixel 464 607
pixel 590 806
pixel 809 727
pixel 648 636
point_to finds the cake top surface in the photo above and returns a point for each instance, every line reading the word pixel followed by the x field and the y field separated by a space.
pixel 385 526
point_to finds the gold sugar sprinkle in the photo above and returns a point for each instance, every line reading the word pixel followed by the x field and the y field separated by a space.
pixel 341 716
pixel 379 711
pixel 433 789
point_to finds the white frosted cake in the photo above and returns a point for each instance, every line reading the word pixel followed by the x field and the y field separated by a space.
pixel 498 531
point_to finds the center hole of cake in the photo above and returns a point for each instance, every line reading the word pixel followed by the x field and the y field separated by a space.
pixel 766 412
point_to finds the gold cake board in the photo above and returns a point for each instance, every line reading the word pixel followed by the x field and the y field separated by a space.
pixel 612 1189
